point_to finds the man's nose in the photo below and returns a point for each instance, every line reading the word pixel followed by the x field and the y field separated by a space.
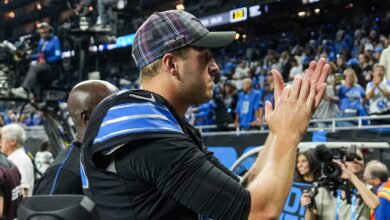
pixel 214 68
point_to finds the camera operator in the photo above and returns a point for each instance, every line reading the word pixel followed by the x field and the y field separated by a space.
pixel 353 201
pixel 45 62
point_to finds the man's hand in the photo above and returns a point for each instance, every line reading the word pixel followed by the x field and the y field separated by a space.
pixel 293 109
pixel 256 123
pixel 299 101
pixel 236 124
pixel 317 73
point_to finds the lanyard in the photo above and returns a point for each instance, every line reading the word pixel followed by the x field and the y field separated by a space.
pixel 44 45
pixel 353 205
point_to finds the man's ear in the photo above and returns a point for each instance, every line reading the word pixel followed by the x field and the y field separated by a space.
pixel 13 142
pixel 168 63
pixel 85 116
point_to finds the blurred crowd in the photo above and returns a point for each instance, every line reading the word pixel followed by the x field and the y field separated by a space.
pixel 357 50
pixel 30 117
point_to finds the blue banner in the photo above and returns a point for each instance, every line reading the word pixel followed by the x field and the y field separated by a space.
pixel 292 208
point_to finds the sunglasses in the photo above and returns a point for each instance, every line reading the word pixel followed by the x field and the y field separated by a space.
pixel 359 158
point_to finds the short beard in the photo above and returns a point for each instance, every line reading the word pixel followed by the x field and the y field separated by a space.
pixel 192 96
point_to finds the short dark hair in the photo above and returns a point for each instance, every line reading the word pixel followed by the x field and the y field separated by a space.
pixel 382 174
pixel 150 70
pixel 46 146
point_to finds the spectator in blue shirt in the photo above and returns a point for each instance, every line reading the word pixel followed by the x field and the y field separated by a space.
pixel 47 57
pixel 35 118
pixel 248 112
pixel 10 117
pixel 351 96
pixel 340 45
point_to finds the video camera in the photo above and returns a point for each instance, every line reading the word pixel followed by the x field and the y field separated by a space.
pixel 331 171
pixel 325 155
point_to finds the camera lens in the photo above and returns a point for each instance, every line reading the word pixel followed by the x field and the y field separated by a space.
pixel 331 170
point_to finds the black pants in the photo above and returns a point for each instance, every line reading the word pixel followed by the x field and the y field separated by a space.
pixel 40 74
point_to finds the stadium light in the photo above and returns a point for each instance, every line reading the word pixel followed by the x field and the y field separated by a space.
pixel 180 7
pixel 237 36
pixel 11 14
pixel 349 6
pixel 317 10
pixel 301 14
pixel 121 4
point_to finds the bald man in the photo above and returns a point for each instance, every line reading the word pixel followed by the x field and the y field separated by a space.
pixel 377 174
pixel 63 175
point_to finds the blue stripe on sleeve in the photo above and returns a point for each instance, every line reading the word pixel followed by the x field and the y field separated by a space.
pixel 136 118
pixel 137 108
pixel 84 178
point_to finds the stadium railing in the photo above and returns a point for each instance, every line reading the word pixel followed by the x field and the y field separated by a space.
pixel 361 122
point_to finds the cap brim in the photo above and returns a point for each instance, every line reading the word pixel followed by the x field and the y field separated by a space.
pixel 215 40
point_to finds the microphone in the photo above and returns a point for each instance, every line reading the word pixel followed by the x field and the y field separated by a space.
pixel 323 153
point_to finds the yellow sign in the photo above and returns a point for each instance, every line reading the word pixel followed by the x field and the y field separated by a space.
pixel 239 14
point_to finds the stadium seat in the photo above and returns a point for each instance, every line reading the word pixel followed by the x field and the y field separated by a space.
pixel 319 136
pixel 55 207
pixel 226 154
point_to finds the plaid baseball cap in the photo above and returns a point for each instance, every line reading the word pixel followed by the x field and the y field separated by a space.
pixel 167 31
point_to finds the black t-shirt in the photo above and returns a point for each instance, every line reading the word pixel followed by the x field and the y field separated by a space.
pixel 167 175
pixel 63 175
pixel 154 175
pixel 10 187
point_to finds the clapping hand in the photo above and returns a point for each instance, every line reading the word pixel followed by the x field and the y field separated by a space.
pixel 295 104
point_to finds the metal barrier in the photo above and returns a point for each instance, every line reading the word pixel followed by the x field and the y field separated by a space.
pixel 332 121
